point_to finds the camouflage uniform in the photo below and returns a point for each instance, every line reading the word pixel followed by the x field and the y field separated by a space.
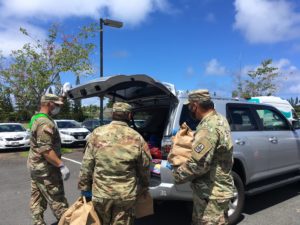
pixel 209 170
pixel 46 179
pixel 115 167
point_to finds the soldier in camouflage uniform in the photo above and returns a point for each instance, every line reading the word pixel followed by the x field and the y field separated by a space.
pixel 210 164
pixel 45 164
pixel 115 168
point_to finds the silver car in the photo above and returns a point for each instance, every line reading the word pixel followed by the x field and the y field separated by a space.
pixel 266 145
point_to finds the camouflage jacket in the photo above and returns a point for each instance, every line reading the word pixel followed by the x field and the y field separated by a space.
pixel 209 167
pixel 44 136
pixel 116 163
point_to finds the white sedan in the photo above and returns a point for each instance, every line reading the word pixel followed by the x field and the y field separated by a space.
pixel 13 136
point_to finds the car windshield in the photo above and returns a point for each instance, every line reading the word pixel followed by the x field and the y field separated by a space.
pixel 11 128
pixel 68 124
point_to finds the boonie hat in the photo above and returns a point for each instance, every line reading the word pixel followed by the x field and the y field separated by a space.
pixel 201 95
pixel 51 98
pixel 121 107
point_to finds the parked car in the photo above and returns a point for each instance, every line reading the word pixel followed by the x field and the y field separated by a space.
pixel 13 136
pixel 71 132
pixel 91 124
pixel 266 145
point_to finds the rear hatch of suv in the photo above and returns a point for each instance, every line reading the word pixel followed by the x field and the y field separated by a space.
pixel 153 103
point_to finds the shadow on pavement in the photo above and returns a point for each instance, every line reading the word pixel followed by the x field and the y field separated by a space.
pixel 254 204
pixel 168 212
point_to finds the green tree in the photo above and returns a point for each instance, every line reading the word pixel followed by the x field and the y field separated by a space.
pixel 6 106
pixel 294 101
pixel 29 72
pixel 260 82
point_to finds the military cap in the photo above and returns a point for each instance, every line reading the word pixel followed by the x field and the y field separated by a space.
pixel 51 98
pixel 201 95
pixel 121 107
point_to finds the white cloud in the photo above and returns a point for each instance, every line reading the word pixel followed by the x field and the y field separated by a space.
pixel 288 80
pixel 213 67
pixel 210 17
pixel 130 11
pixel 16 13
pixel 12 39
pixel 190 71
pixel 267 21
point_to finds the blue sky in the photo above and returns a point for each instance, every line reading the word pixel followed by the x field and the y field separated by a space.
pixel 190 43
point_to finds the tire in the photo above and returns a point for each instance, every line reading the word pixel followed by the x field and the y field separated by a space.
pixel 236 205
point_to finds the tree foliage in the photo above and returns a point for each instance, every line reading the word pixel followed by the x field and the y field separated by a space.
pixel 294 101
pixel 30 71
pixel 6 107
pixel 260 82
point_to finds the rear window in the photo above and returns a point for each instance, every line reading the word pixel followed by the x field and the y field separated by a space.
pixel 68 124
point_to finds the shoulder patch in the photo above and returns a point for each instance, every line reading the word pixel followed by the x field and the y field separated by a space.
pixel 201 149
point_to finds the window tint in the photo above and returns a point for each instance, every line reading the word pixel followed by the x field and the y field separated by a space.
pixel 241 119
pixel 68 124
pixel 272 120
pixel 11 128
pixel 185 117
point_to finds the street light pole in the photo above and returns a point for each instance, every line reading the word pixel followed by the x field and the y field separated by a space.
pixel 101 67
pixel 111 23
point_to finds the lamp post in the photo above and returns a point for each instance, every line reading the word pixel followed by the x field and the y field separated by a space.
pixel 111 23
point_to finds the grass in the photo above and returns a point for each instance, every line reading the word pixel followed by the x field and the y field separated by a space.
pixel 63 151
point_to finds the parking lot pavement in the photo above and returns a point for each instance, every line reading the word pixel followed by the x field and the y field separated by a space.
pixel 277 207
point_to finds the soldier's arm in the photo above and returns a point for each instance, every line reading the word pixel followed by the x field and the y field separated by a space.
pixel 200 161
pixel 87 168
pixel 52 158
pixel 143 167
pixel 45 145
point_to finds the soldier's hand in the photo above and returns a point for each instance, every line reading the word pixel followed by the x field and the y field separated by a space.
pixel 65 172
pixel 87 195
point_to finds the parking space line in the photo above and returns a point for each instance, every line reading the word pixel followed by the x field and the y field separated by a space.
pixel 71 160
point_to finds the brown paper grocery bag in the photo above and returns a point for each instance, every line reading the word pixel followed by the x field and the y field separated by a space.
pixel 144 206
pixel 182 146
pixel 80 213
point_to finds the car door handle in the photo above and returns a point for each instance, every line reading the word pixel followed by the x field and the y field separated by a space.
pixel 273 140
pixel 240 142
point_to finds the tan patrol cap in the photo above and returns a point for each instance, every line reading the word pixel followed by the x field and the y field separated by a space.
pixel 121 107
pixel 201 95
pixel 51 98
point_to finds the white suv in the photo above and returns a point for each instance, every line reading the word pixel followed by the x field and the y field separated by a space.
pixel 71 132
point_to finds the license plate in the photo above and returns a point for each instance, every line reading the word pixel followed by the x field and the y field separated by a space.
pixel 80 137
pixel 15 143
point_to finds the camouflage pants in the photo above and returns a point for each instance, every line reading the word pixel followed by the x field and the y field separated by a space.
pixel 115 212
pixel 210 212
pixel 47 190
